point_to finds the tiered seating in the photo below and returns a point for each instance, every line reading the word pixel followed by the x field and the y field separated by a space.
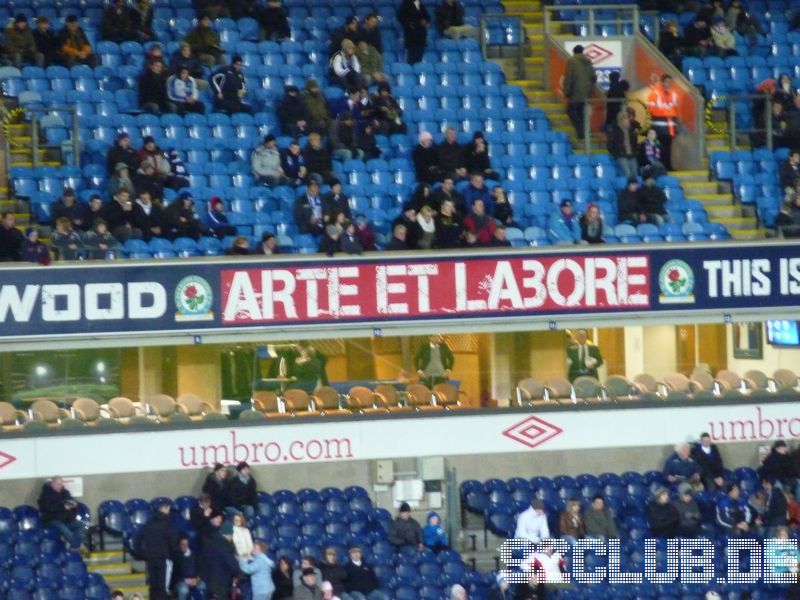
pixel 305 522
pixel 626 495
pixel 35 562
pixel 754 178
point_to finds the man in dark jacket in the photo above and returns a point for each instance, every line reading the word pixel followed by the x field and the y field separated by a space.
pixel 11 238
pixel 449 227
pixel 217 560
pixel 187 581
pixel 308 213
pixel 333 572
pixel 274 21
pixel 349 31
pixel 361 579
pixel 215 487
pixel 335 203
pixel 451 156
pixel 58 509
pixel 292 113
pixel 242 491
pixel 181 219
pixel 148 216
pixel 200 514
pixel 116 24
pixel 450 20
pixel 579 78
pixel 434 361
pixel 67 206
pixel 415 20
pixel 121 218
pixel 153 89
pixel 622 144
pixel 46 41
pixel 121 152
pixel 405 531
pixel 629 206
pixel 690 520
pixel 776 507
pixel 778 466
pixel 789 170
pixel 317 160
pixel 156 542
pixel 708 458
pixel 371 33
pixel 229 88
pixel 661 515
pixel 653 201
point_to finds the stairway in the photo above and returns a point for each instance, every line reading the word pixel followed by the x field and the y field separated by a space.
pixel 118 571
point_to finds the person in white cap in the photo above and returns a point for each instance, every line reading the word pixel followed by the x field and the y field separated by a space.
pixel 327 591
pixel 503 589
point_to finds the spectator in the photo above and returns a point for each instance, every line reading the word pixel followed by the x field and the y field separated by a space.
pixel 152 154
pixel 259 567
pixel 571 524
pixel 239 247
pixel 724 42
pixel 415 20
pixel 364 233
pixel 450 21
pixel 426 228
pixel 776 507
pixel 293 163
pixel 579 79
pixel 671 44
pixel 653 201
pixel 185 59
pixel 153 90
pixel 58 509
pixel 154 52
pixel 335 203
pixel 650 154
pixel 547 562
pixel 181 219
pixel 74 45
pixel 184 94
pixel 629 204
pixel 477 190
pixel 398 241
pixel 145 180
pixel 622 145
pixel 591 224
pixel 309 586
pixel 349 241
pixel 47 42
pixel 242 493
pixel 786 223
pixel 116 25
pixel 349 31
pixel 697 38
pixel 433 534
pixel 266 163
pixel 308 214
pixel 282 577
pixel 733 515
pixel 778 466
pixel 268 245
pixel 707 456
pixel 503 211
pixel 141 16
pixel 178 176
pixel 332 572
pixel 218 564
pixel 743 22
pixel 789 171
pixel 599 521
pixel 615 97
pixel 229 88
pixel 388 113
pixel 458 592
pixel 371 63
pixel 93 211
pixel 583 357
pixel 450 156
pixel 215 486
pixel 566 220
pixel 156 543
pixel 476 157
pixel 499 240
pixel 187 581
pixel 662 516
pixel 785 93
pixel 345 68
pixel 316 106
pixel 214 9
pixel 99 242
pixel 370 32
pixel 426 159
pixel 680 466
pixel 534 589
pixel 306 562
pixel 447 191
pixel 449 227
pixel 317 160
pixel 200 515
pixel 343 139
pixel 503 589
pixel 690 520
pixel 274 22
pixel 67 206
pixel 408 219
pixel 121 180
pixel 292 113
pixel 480 224
pixel 121 152
pixel 405 531
pixel 120 216
pixel 532 523
pixel 65 241
pixel 205 44
pixel 20 44
pixel 241 537
pixel 361 583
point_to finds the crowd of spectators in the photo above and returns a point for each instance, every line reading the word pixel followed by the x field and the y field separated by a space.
pixel 42 47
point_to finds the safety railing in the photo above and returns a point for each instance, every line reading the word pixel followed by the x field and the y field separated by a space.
pixel 750 120
pixel 504 36
pixel 43 120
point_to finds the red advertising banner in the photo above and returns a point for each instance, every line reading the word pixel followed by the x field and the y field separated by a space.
pixel 475 286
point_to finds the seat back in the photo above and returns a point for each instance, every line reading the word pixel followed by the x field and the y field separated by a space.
pixel 729 379
pixel 360 397
pixel 162 405
pixel 785 378
pixel 446 394
pixel 420 395
pixel 388 393
pixel 620 387
pixel 529 389
pixel 86 410
pixel 757 379
pixel 46 411
pixel 586 387
pixel 677 382
pixel 267 401
pixel 327 398
pixel 190 405
pixel 10 416
pixel 561 387
pixel 646 382
pixel 702 380
pixel 122 408
pixel 296 400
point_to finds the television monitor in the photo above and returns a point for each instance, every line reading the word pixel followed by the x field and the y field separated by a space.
pixel 783 333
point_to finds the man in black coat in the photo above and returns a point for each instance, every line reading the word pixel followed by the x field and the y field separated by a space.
pixel 215 487
pixel 778 466
pixel 361 577
pixel 58 509
pixel 187 576
pixel 405 531
pixel 242 491
pixel 67 206
pixel 292 113
pixel 653 201
pixel 776 506
pixel 11 238
pixel 217 561
pixel 116 25
pixel 156 542
pixel 583 358
pixel 200 514
pixel 148 216
pixel 629 207
pixel 415 20
pixel 790 170
pixel 434 361
pixel 662 516
pixel 153 89
pixel 308 212
pixel 335 203
pixel 708 457
pixel 333 572
pixel 121 152
pixel 451 156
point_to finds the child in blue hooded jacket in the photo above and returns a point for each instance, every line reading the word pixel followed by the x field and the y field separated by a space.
pixel 433 535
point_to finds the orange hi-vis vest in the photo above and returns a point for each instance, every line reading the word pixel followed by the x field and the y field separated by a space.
pixel 663 106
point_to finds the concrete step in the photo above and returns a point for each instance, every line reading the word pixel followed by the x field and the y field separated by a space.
pixel 104 557
pixel 712 199
pixel 701 187
pixel 111 568
pixel 747 234
pixel 715 213
pixel 691 176
pixel 739 223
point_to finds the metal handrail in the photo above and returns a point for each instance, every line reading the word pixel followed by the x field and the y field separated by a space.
pixel 36 141
pixel 521 46
pixel 768 128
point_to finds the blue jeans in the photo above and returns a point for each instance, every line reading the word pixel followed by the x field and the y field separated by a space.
pixel 628 165
pixel 72 532
pixel 185 592
pixel 248 511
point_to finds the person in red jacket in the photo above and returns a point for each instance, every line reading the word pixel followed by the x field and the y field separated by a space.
pixel 479 223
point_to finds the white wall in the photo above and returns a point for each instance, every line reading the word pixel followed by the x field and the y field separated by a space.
pixel 775 357
pixel 651 350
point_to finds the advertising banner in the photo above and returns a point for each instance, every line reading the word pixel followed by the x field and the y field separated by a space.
pixel 326 440
pixel 223 295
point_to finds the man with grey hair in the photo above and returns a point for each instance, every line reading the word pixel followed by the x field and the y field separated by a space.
pixel 680 466
pixel 583 358
pixel 59 509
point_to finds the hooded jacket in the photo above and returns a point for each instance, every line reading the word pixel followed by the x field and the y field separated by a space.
pixel 433 534
pixel 265 162
pixel 19 41
pixel 579 78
